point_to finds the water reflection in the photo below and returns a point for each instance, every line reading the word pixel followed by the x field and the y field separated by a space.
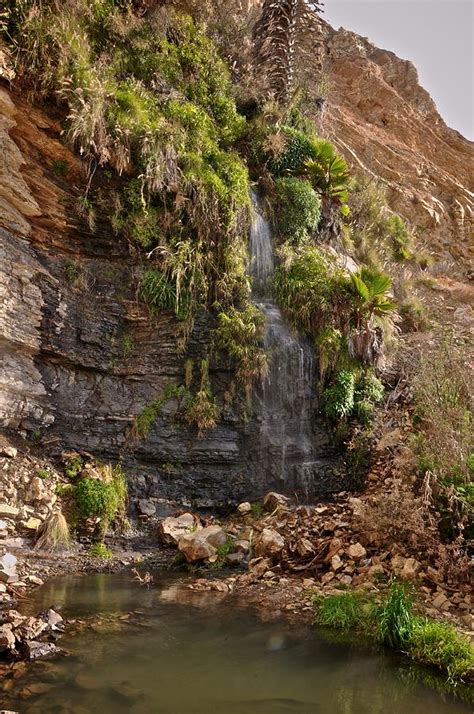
pixel 184 652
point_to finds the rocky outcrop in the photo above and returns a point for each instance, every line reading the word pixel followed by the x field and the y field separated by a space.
pixel 387 125
pixel 82 356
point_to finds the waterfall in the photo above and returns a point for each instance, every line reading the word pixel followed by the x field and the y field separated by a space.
pixel 286 398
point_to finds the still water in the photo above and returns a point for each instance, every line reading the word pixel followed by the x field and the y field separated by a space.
pixel 184 652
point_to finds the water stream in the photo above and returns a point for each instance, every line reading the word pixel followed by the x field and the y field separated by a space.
pixel 168 650
pixel 286 399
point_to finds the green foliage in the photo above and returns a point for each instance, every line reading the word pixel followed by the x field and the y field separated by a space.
pixel 297 209
pixel 344 610
pixel 201 409
pixel 394 616
pixel 73 467
pixel 127 346
pixel 102 498
pixel 370 289
pixel 100 550
pixel 438 644
pixel 240 334
pixel 339 398
pixel 391 620
pixel 146 420
pixel 60 167
pixel 368 392
pixel 153 102
pixel 329 173
pixel 399 237
pixel 257 509
pixel 295 148
pixel 43 473
pixel 72 272
pixel 161 294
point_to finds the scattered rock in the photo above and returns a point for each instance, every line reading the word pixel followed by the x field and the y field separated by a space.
pixel 32 524
pixel 195 548
pixel 269 543
pixel 357 551
pixel 53 618
pixel 8 451
pixel 441 602
pixel 244 508
pixel 146 507
pixel 7 510
pixel 7 638
pixel 242 546
pixel 172 528
pixel 275 500
pixel 39 650
pixel 336 563
pixel 406 568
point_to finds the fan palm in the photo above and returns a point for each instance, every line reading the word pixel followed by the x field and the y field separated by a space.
pixel 329 172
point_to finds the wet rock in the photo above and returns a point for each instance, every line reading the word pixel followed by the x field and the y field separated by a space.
pixel 274 500
pixel 172 529
pixel 244 508
pixel 39 650
pixel 269 543
pixel 35 580
pixel 146 507
pixel 53 618
pixel 357 551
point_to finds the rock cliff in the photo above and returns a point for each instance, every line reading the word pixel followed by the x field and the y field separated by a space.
pixel 387 125
pixel 81 354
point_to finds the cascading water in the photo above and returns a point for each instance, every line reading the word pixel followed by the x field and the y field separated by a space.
pixel 286 398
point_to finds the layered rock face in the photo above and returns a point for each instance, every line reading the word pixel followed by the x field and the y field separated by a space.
pixel 387 125
pixel 82 356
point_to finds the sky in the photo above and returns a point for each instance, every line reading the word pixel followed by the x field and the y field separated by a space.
pixel 436 35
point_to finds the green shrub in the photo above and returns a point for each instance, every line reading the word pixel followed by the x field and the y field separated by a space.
pixel 399 237
pixel 240 334
pixel 73 467
pixel 297 209
pixel 394 616
pixel 439 644
pixel 368 392
pixel 329 173
pixel 102 498
pixel 100 550
pixel 161 294
pixel 296 149
pixel 43 473
pixel 339 398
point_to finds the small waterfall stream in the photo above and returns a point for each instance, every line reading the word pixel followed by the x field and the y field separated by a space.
pixel 286 399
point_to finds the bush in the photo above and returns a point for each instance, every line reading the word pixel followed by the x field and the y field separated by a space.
pixel 399 237
pixel 161 294
pixel 100 550
pixel 339 398
pixel 344 610
pixel 294 150
pixel 297 209
pixel 102 498
pixel 240 334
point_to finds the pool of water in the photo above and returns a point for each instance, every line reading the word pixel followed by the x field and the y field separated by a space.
pixel 183 652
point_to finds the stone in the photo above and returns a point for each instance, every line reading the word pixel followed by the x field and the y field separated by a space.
pixel 356 551
pixel 234 558
pixel 146 507
pixel 305 548
pixel 41 650
pixel 259 566
pixel 7 638
pixel 195 548
pixel 215 535
pixel 275 500
pixel 37 491
pixel 7 510
pixel 32 524
pixel 405 568
pixel 8 451
pixel 244 508
pixel 34 580
pixel 375 570
pixel 441 602
pixel 357 506
pixel 242 546
pixel 53 618
pixel 269 543
pixel 173 528
pixel 336 563
pixel 335 546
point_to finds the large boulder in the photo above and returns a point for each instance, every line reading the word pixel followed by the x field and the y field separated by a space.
pixel 202 544
pixel 270 543
pixel 173 528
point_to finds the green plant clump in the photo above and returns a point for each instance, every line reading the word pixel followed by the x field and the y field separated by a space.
pixel 339 398
pixel 297 209
pixel 102 498
pixel 100 550
pixel 146 419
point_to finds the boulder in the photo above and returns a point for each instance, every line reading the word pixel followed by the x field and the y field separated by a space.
pixel 244 508
pixel 275 500
pixel 269 543
pixel 172 529
pixel 195 548
pixel 406 568
pixel 356 551
pixel 147 507
pixel 215 535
